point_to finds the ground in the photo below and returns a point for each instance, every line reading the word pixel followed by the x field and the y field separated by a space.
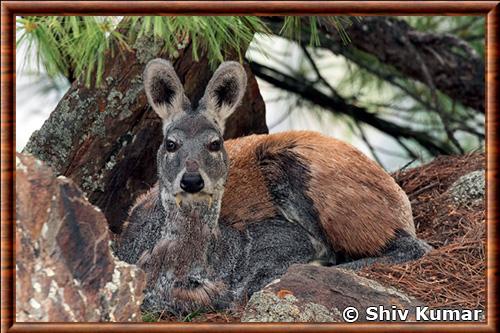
pixel 453 274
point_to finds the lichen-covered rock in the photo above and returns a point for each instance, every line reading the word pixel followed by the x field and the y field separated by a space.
pixel 469 188
pixel 65 270
pixel 308 293
pixel 266 306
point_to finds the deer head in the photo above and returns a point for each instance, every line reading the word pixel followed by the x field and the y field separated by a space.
pixel 192 161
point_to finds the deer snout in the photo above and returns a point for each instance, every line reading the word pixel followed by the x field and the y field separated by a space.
pixel 192 182
pixel 192 165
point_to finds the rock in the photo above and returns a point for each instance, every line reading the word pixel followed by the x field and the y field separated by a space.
pixel 469 188
pixel 307 293
pixel 65 270
pixel 266 306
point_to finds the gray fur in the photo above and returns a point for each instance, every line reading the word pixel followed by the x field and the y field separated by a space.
pixel 403 248
pixel 192 133
pixel 164 90
pixel 224 92
pixel 242 261
pixel 191 259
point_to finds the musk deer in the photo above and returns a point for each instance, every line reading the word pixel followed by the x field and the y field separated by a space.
pixel 227 218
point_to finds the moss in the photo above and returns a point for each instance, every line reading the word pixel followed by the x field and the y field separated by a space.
pixel 95 182
pixel 112 108
pixel 150 317
pixel 92 183
pixel 110 164
pixel 314 312
pixel 118 106
pixel 136 80
pixel 113 99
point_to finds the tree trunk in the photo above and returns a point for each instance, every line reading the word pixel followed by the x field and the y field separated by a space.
pixel 106 138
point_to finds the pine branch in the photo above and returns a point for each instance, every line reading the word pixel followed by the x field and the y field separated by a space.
pixel 77 46
pixel 458 71
pixel 337 104
pixel 436 107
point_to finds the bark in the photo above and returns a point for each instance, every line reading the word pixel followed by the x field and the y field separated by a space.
pixel 106 138
pixel 441 61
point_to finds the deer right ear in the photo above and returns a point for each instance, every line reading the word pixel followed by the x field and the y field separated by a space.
pixel 224 92
pixel 164 90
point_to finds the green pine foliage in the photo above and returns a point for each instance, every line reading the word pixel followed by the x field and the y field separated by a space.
pixel 78 44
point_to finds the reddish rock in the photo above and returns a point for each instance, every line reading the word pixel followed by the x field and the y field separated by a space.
pixel 308 293
pixel 65 270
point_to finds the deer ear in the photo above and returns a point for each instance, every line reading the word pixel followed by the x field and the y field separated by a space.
pixel 164 90
pixel 224 92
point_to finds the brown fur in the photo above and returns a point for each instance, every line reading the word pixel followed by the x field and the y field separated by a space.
pixel 302 190
pixel 247 198
pixel 360 206
pixel 147 201
pixel 202 295
pixel 161 254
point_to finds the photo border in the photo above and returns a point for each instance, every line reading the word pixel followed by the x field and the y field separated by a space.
pixel 10 9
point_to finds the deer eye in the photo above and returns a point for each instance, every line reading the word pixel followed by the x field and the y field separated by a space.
pixel 214 145
pixel 171 146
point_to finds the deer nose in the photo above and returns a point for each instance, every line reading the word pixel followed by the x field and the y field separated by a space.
pixel 192 166
pixel 192 182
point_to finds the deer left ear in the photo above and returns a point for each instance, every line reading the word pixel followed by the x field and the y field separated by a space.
pixel 224 92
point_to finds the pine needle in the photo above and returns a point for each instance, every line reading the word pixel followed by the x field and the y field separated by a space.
pixel 77 45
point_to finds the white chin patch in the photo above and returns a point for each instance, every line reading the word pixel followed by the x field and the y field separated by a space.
pixel 184 198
